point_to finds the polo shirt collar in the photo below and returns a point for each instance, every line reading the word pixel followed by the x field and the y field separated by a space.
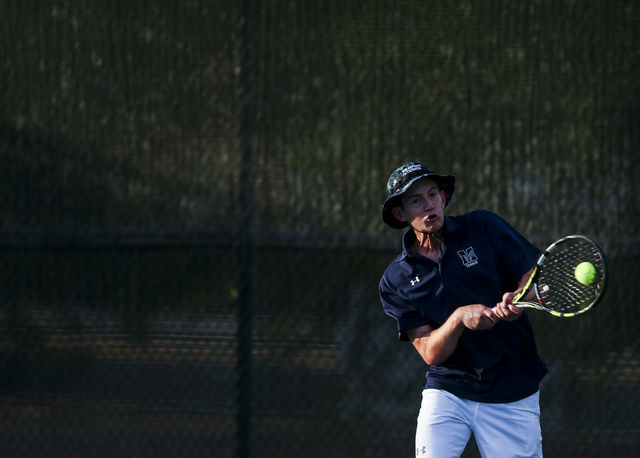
pixel 409 237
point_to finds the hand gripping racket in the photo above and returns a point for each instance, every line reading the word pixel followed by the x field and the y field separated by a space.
pixel 569 277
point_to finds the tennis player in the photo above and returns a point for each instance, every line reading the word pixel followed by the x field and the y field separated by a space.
pixel 450 291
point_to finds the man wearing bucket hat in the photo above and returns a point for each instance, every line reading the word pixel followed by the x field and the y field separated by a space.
pixel 450 291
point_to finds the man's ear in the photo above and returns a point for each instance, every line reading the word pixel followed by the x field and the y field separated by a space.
pixel 398 214
pixel 444 198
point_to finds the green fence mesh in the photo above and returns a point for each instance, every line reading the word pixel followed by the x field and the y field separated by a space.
pixel 190 241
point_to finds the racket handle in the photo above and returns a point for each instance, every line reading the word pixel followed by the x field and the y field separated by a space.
pixel 493 309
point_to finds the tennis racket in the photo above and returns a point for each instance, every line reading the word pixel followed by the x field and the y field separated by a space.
pixel 559 288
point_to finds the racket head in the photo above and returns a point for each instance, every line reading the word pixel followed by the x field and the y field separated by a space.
pixel 554 281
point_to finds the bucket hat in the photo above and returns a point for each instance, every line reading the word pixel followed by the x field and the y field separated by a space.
pixel 402 178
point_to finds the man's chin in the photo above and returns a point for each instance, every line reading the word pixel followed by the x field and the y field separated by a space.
pixel 429 229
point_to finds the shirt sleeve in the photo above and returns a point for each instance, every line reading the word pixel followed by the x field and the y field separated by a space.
pixel 515 252
pixel 404 312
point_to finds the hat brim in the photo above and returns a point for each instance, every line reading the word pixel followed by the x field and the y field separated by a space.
pixel 447 184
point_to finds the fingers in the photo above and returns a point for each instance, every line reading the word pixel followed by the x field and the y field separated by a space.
pixel 507 311
pixel 479 317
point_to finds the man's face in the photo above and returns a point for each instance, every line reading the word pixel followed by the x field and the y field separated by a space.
pixel 422 206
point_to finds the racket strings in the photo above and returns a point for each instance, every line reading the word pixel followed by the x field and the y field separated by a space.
pixel 558 288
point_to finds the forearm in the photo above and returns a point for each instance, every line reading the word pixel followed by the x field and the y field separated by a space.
pixel 531 295
pixel 437 345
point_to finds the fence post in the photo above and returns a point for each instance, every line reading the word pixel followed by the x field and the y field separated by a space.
pixel 244 241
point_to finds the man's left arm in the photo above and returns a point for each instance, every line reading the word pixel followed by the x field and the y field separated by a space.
pixel 505 310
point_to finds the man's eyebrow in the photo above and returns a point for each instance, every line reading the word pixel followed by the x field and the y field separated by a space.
pixel 409 196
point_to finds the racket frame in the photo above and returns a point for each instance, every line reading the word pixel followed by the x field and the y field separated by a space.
pixel 532 282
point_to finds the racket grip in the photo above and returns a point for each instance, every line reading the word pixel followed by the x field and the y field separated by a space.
pixel 493 309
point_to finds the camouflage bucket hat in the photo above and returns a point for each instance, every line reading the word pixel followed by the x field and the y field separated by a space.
pixel 402 178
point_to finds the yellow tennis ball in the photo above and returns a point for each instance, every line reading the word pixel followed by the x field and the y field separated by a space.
pixel 585 273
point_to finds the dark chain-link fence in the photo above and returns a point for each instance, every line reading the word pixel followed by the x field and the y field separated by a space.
pixel 190 242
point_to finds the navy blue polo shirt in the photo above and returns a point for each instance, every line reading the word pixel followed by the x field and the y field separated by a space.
pixel 484 257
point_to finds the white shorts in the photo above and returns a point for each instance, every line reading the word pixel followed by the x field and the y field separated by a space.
pixel 508 430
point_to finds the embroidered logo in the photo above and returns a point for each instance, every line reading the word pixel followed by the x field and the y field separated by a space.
pixel 468 257
pixel 411 168
pixel 414 281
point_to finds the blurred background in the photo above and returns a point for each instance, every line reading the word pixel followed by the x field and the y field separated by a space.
pixel 190 191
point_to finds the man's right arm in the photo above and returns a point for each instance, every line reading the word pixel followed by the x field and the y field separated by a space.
pixel 437 345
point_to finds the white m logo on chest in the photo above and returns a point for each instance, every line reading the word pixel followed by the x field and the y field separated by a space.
pixel 468 257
